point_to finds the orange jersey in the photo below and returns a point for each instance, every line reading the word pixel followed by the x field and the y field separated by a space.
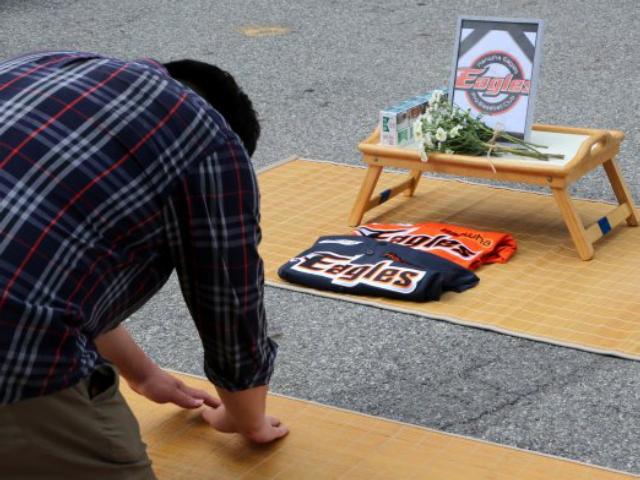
pixel 465 246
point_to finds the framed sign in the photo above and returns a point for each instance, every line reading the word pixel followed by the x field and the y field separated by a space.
pixel 495 70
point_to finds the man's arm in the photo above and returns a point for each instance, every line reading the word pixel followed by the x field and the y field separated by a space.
pixel 212 222
pixel 244 411
pixel 146 377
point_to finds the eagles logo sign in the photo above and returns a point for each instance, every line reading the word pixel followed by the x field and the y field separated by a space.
pixel 495 69
pixel 494 83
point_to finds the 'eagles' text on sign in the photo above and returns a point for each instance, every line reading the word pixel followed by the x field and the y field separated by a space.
pixel 495 70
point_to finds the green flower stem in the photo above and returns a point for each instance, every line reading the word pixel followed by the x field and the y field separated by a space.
pixel 522 152
pixel 513 139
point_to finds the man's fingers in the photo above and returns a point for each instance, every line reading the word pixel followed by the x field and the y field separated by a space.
pixel 183 400
pixel 274 433
pixel 280 431
pixel 268 434
pixel 207 398
pixel 274 421
pixel 209 416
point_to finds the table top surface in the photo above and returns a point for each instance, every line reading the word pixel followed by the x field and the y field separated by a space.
pixel 583 149
pixel 566 144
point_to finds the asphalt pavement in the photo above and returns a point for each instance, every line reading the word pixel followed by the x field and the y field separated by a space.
pixel 318 81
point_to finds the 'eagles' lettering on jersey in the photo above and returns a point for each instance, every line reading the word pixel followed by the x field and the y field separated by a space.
pixel 420 241
pixel 342 270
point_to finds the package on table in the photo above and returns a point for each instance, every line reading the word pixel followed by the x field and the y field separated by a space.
pixel 396 123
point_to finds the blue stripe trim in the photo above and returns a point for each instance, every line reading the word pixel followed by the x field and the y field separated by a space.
pixel 605 226
pixel 384 196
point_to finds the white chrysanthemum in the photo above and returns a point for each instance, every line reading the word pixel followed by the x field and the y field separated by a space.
pixel 455 131
pixel 423 153
pixel 428 141
pixel 436 96
pixel 417 129
pixel 441 135
pixel 428 117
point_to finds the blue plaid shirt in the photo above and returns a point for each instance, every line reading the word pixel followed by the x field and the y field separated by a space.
pixel 112 175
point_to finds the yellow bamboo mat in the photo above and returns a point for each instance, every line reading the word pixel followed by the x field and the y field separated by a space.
pixel 328 443
pixel 544 292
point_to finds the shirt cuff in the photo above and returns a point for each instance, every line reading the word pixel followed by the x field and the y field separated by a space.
pixel 244 377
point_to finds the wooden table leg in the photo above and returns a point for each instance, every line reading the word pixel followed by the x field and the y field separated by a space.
pixel 620 189
pixel 369 183
pixel 574 223
pixel 415 176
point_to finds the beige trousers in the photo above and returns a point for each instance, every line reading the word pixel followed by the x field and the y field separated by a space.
pixel 85 432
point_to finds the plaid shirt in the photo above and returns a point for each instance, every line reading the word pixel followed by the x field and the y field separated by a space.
pixel 111 175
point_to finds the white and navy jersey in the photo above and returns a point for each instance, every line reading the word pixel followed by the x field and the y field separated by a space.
pixel 364 266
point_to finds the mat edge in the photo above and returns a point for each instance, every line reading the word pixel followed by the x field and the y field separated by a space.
pixel 278 163
pixel 433 430
pixel 454 320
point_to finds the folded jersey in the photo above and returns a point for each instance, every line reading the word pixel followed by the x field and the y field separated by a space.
pixel 465 246
pixel 365 266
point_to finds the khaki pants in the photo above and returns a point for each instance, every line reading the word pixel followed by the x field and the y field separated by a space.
pixel 83 432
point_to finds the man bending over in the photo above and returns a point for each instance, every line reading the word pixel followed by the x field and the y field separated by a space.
pixel 112 175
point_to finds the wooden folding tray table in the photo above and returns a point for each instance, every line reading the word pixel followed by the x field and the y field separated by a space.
pixel 584 150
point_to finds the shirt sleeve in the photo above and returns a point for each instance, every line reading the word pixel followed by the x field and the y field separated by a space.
pixel 212 220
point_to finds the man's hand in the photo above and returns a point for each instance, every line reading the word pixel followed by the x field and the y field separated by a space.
pixel 161 387
pixel 268 430
pixel 144 376
pixel 243 411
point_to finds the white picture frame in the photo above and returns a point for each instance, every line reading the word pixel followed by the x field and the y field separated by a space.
pixel 496 63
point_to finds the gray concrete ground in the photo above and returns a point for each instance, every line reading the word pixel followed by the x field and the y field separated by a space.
pixel 318 89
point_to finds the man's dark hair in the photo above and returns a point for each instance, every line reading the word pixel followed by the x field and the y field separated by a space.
pixel 222 92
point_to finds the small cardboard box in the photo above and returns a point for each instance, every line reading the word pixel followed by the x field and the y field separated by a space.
pixel 396 123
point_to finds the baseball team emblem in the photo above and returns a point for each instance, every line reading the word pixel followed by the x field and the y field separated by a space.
pixel 494 83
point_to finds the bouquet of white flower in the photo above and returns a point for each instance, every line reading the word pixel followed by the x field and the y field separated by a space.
pixel 445 128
